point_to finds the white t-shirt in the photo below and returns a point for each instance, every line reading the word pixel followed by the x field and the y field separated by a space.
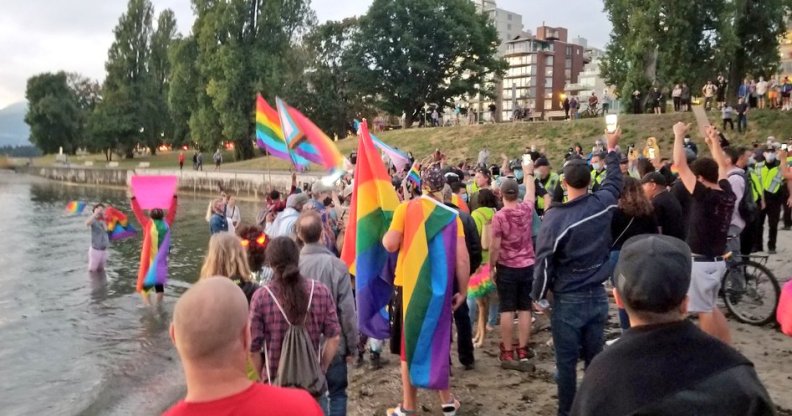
pixel 233 216
pixel 761 87
pixel 738 187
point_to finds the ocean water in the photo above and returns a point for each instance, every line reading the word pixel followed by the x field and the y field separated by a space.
pixel 75 343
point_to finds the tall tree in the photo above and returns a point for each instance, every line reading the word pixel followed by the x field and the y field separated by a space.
pixel 414 52
pixel 332 98
pixel 127 88
pixel 54 113
pixel 159 122
pixel 184 88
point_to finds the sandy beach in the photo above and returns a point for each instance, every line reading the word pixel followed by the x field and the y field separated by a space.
pixel 490 390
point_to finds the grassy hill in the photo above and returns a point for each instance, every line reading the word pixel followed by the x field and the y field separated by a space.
pixel 554 137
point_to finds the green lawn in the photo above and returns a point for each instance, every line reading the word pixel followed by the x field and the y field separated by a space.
pixel 465 141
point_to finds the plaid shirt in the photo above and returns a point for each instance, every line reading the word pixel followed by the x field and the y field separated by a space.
pixel 267 324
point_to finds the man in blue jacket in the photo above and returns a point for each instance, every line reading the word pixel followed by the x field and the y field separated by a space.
pixel 572 262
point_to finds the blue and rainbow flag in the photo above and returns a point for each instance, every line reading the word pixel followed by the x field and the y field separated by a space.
pixel 425 270
pixel 305 140
pixel 371 212
pixel 269 135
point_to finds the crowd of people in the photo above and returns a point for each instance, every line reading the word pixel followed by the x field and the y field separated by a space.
pixel 271 326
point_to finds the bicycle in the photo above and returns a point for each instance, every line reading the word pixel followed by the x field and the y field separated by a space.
pixel 591 112
pixel 750 290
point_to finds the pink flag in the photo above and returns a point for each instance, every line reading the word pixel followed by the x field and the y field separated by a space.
pixel 154 191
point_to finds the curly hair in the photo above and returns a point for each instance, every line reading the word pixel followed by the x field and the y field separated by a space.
pixel 633 201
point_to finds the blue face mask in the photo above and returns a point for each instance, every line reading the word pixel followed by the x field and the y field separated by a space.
pixel 518 174
pixel 466 197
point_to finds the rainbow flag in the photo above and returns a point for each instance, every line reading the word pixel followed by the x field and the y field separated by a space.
pixel 269 135
pixel 306 140
pixel 74 208
pixel 154 258
pixel 415 176
pixel 397 157
pixel 118 226
pixel 371 212
pixel 426 268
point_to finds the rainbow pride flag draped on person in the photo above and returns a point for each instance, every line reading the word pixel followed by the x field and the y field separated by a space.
pixel 153 269
pixel 269 135
pixel 306 141
pixel 426 268
pixel 371 212
pixel 118 226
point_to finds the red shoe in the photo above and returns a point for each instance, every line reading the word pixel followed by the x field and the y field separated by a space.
pixel 525 354
pixel 505 355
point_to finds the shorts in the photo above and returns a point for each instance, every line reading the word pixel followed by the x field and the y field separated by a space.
pixel 705 282
pixel 97 259
pixel 157 288
pixel 784 95
pixel 514 288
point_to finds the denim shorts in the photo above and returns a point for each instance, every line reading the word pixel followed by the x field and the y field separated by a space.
pixel 514 288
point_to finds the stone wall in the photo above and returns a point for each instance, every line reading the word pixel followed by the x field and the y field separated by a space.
pixel 244 184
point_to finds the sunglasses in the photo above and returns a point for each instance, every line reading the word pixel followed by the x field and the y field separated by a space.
pixel 260 240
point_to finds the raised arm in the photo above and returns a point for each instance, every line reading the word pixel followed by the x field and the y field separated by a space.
pixel 612 184
pixel 171 215
pixel 505 165
pixel 141 217
pixel 680 158
pixel 713 142
pixel 530 183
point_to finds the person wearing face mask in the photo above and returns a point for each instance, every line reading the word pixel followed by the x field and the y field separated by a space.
pixel 771 176
pixel 690 145
pixel 598 172
pixel 549 181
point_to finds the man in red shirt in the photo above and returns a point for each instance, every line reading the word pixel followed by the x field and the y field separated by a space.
pixel 212 335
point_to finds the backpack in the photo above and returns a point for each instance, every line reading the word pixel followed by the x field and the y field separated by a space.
pixel 486 235
pixel 299 362
pixel 747 207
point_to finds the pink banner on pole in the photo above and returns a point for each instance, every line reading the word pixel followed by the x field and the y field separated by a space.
pixel 154 191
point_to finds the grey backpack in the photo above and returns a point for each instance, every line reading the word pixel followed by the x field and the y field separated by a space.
pixel 298 366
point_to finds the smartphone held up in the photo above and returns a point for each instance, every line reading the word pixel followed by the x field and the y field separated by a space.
pixel 611 123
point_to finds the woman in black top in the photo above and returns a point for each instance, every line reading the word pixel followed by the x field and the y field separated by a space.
pixel 634 216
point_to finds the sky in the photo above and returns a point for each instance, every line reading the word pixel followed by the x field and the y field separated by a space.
pixel 51 35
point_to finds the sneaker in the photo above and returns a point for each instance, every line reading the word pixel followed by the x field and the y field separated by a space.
pixel 611 342
pixel 524 354
pixel 505 356
pixel 452 408
pixel 399 411
pixel 377 361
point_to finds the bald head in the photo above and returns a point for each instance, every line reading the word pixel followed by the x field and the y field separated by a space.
pixel 210 322
pixel 309 227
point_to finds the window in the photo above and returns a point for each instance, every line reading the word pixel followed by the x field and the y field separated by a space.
pixel 548 82
pixel 568 64
pixel 508 27
pixel 549 72
pixel 548 104
pixel 549 60
pixel 508 16
pixel 568 51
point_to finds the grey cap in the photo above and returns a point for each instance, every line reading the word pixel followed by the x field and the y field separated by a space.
pixel 653 272
pixel 296 200
pixel 510 187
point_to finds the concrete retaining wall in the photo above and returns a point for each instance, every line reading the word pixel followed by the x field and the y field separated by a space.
pixel 243 184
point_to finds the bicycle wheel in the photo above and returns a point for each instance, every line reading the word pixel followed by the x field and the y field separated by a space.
pixel 751 292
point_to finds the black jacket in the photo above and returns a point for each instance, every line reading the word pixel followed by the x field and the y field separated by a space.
pixel 671 369
pixel 472 239
pixel 573 246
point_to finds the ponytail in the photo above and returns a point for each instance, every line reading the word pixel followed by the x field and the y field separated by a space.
pixel 284 258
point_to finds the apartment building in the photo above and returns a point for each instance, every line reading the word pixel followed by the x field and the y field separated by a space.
pixel 540 67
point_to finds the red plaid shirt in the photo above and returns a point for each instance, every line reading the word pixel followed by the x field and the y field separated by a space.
pixel 267 324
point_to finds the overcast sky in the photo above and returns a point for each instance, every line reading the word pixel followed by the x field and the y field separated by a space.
pixel 50 35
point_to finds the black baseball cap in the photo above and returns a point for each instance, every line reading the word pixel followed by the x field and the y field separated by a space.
pixel 542 161
pixel 654 177
pixel 510 187
pixel 623 160
pixel 653 272
pixel 577 173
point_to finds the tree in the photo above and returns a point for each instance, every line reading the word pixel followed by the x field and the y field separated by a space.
pixel 331 97
pixel 159 122
pixel 413 52
pixel 128 85
pixel 53 114
pixel 184 89
pixel 89 94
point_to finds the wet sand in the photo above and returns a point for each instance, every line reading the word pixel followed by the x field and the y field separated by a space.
pixel 490 390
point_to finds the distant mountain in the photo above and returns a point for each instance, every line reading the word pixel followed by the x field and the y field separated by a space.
pixel 13 130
